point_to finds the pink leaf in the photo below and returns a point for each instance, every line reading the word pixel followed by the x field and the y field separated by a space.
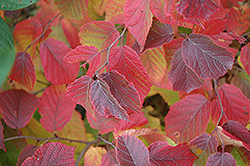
pixel 52 153
pixel 208 60
pixel 123 91
pixel 81 53
pixel 56 70
pixel 198 8
pixel 157 7
pixel 245 57
pixel 138 19
pixel 104 102
pixel 2 146
pixel 109 158
pixel 160 153
pixel 181 76
pixel 138 132
pixel 18 107
pixel 221 159
pixel 125 60
pixel 28 151
pixel 188 118
pixel 23 70
pixel 239 131
pixel 131 151
pixel 79 91
pixel 101 123
pixel 159 34
pixel 211 27
pixel 70 32
pixel 203 146
pixel 56 108
pixel 235 105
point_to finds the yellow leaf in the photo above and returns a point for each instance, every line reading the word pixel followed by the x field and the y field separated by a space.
pixel 93 156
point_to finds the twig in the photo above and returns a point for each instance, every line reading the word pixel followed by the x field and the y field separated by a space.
pixel 84 151
pixel 107 142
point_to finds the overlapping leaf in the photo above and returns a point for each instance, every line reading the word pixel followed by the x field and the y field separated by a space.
pixel 23 70
pixel 131 151
pixel 197 9
pixel 160 153
pixel 73 9
pixel 94 155
pixel 125 60
pixel 181 76
pixel 70 32
pixel 211 27
pixel 218 159
pixel 235 105
pixel 241 155
pixel 56 108
pixel 25 33
pixel 115 11
pixel 159 34
pixel 203 146
pixel 15 5
pixel 242 80
pixel 138 19
pixel 245 57
pixel 2 146
pixel 79 91
pixel 104 102
pixel 52 153
pixel 188 118
pixel 123 91
pixel 28 151
pixel 17 107
pixel 56 70
pixel 109 158
pixel 208 60
pixel 158 9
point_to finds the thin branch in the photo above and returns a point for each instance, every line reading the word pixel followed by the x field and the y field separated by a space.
pixel 107 142
pixel 223 145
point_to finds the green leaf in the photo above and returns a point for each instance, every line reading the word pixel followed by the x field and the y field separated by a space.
pixel 15 4
pixel 7 51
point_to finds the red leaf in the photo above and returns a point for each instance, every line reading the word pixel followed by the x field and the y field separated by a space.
pixel 79 91
pixel 70 32
pixel 137 121
pixel 18 107
pixel 115 11
pixel 109 158
pixel 159 34
pixel 134 71
pixel 104 102
pixel 28 151
pixel 239 131
pixel 23 70
pixel 56 70
pixel 211 27
pixel 221 159
pixel 197 9
pixel 131 151
pixel 208 60
pixel 25 33
pixel 123 91
pixel 245 57
pixel 81 53
pixel 138 132
pixel 56 108
pixel 52 153
pixel 157 7
pixel 188 118
pixel 138 19
pixel 235 105
pixel 2 146
pixel 181 76
pixel 203 146
pixel 160 153
pixel 102 124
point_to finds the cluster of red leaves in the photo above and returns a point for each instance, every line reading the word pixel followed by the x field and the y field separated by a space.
pixel 123 67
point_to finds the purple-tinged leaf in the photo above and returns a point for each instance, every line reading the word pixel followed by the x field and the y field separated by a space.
pixel 208 60
pixel 23 70
pixel 56 108
pixel 188 118
pixel 123 91
pixel 79 91
pixel 131 151
pixel 52 153
pixel 28 151
pixel 17 107
pixel 2 146
pixel 160 153
pixel 181 76
pixel 221 159
pixel 109 158
pixel 245 57
pixel 104 102
pixel 203 146
pixel 159 34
